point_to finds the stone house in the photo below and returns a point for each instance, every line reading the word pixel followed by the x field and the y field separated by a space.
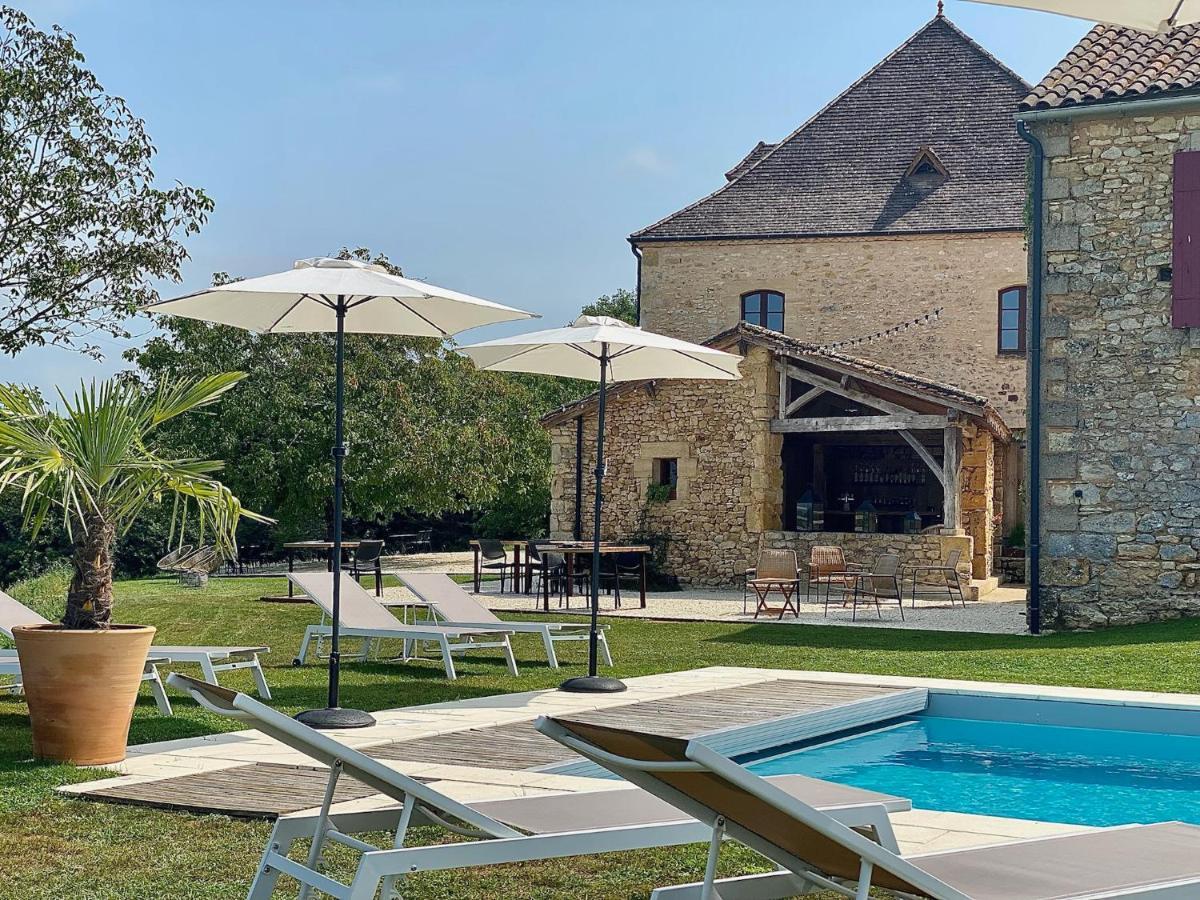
pixel 734 458
pixel 891 223
pixel 1118 121
pixel 870 267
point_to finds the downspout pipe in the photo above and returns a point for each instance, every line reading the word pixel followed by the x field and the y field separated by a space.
pixel 1034 390
pixel 637 252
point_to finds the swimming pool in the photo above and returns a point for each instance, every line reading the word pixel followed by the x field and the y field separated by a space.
pixel 1019 769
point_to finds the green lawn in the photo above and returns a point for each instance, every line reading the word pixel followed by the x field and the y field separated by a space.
pixel 54 847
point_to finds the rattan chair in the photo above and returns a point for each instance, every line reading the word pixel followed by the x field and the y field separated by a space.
pixel 828 566
pixel 777 572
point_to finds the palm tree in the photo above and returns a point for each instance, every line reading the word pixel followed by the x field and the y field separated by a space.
pixel 91 463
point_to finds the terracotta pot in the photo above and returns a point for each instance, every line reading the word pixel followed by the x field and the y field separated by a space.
pixel 81 686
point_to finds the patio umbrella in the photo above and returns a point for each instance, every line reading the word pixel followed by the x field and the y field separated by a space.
pixel 338 295
pixel 1145 15
pixel 600 348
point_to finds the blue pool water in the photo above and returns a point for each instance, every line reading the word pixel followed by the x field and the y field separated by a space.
pixel 1086 776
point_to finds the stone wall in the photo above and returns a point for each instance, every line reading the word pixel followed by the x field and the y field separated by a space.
pixel 913 549
pixel 730 478
pixel 1121 387
pixel 839 288
pixel 977 488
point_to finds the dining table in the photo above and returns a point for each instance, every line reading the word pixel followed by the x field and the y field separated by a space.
pixel 524 565
pixel 294 547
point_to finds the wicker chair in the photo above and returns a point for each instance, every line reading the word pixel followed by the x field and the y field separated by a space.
pixel 777 572
pixel 828 566
pixel 170 562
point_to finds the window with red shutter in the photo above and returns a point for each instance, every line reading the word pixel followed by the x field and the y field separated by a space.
pixel 1185 274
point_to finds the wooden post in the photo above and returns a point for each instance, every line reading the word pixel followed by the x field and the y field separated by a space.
pixel 951 465
pixel 783 389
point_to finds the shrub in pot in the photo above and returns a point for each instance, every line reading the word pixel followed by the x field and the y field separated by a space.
pixel 92 464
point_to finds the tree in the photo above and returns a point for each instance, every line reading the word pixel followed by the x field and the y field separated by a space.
pixel 430 435
pixel 83 229
pixel 620 304
pixel 93 466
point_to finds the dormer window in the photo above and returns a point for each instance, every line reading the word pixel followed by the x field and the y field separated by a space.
pixel 926 166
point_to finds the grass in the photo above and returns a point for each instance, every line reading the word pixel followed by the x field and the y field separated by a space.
pixel 55 847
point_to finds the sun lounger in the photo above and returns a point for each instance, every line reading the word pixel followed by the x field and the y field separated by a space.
pixel 818 853
pixel 453 606
pixel 362 616
pixel 211 660
pixel 549 826
pixel 10 667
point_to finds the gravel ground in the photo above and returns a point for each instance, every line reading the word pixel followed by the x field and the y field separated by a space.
pixel 1000 612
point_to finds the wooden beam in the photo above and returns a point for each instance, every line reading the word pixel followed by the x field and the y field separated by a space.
pixel 802 401
pixel 842 389
pixel 951 497
pixel 856 423
pixel 899 387
pixel 925 455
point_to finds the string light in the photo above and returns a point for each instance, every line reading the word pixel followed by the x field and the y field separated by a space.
pixel 925 319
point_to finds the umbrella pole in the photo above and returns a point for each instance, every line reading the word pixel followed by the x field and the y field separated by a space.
pixel 333 716
pixel 594 683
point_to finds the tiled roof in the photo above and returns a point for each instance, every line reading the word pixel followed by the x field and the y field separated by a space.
pixel 1113 63
pixel 760 150
pixel 865 369
pixel 843 171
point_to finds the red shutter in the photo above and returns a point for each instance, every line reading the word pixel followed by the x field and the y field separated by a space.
pixel 1185 275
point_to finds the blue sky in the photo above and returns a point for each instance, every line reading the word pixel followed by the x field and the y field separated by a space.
pixel 500 147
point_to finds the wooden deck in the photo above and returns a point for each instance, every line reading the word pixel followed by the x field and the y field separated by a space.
pixel 254 791
pixel 268 790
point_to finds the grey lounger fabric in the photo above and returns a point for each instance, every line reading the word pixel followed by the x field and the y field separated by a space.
pixel 360 615
pixel 606 809
pixel 1076 865
pixel 451 603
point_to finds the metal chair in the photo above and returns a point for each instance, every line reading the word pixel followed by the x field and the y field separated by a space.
pixel 881 583
pixel 367 560
pixel 949 572
pixel 625 565
pixel 494 558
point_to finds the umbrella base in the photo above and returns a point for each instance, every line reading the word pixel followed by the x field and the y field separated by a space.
pixel 335 717
pixel 592 684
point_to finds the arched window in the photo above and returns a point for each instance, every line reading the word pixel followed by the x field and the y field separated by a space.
pixel 1010 321
pixel 763 308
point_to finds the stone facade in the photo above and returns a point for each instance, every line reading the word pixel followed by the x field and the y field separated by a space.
pixel 841 288
pixel 978 491
pixel 729 492
pixel 1121 387
pixel 730 479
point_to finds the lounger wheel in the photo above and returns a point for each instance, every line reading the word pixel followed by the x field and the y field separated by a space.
pixel 297 663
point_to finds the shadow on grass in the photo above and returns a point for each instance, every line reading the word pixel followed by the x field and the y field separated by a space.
pixel 840 637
